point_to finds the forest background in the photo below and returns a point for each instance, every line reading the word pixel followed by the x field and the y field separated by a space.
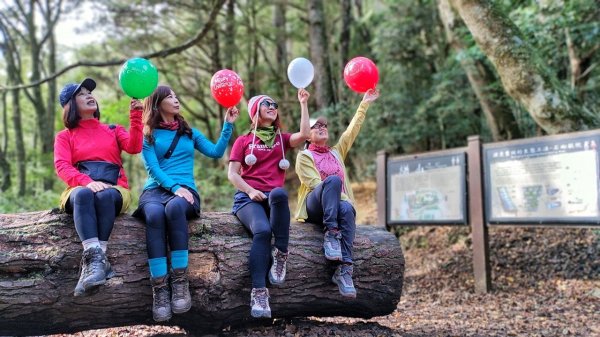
pixel 448 69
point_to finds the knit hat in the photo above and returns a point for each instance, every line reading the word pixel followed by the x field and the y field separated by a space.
pixel 72 89
pixel 254 102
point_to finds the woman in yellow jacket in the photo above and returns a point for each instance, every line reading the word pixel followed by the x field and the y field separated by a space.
pixel 325 196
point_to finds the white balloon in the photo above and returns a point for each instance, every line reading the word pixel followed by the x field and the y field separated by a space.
pixel 300 72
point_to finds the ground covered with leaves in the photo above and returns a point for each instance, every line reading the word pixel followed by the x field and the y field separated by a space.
pixel 546 282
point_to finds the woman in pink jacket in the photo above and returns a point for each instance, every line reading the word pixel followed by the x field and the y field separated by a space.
pixel 87 157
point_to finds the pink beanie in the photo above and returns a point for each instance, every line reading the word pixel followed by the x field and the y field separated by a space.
pixel 254 102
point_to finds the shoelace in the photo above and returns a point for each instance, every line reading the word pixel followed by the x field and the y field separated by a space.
pixel 180 287
pixel 346 274
pixel 261 297
pixel 281 258
pixel 335 235
pixel 162 295
pixel 92 264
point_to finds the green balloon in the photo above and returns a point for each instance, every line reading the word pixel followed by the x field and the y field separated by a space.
pixel 138 78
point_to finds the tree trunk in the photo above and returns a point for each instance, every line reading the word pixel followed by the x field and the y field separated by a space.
pixel 40 253
pixel 319 54
pixel 499 118
pixel 523 76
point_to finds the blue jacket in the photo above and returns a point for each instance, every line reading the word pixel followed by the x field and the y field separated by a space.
pixel 179 168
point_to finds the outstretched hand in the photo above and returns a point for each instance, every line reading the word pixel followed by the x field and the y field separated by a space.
pixel 303 95
pixel 370 96
pixel 232 114
pixel 136 104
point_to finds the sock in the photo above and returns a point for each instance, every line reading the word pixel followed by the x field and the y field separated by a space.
pixel 158 266
pixel 179 259
pixel 104 246
pixel 90 243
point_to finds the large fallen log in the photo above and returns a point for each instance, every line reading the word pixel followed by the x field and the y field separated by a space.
pixel 40 254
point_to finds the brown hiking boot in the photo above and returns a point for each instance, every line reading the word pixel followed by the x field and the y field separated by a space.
pixel 181 300
pixel 161 306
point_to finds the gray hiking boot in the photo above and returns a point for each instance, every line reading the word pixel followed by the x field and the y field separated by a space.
pixel 343 278
pixel 161 305
pixel 278 268
pixel 93 267
pixel 259 303
pixel 181 300
pixel 332 246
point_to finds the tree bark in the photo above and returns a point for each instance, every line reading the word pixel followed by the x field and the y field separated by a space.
pixel 40 253
pixel 319 54
pixel 499 118
pixel 524 77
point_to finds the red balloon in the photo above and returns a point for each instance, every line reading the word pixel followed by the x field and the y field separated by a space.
pixel 361 74
pixel 226 88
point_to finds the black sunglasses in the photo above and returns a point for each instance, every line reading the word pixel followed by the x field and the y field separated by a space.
pixel 269 104
pixel 319 126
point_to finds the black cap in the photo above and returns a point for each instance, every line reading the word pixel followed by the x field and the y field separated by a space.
pixel 72 89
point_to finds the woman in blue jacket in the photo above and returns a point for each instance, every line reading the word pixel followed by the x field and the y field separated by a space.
pixel 170 196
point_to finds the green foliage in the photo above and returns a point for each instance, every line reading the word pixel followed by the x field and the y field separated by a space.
pixel 10 202
pixel 426 102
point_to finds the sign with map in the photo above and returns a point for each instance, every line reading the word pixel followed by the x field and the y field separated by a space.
pixel 543 181
pixel 427 189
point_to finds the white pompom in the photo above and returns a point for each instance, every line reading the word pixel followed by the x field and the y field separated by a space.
pixel 284 164
pixel 250 159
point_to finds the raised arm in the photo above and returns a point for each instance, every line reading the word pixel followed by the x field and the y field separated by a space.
pixel 298 138
pixel 349 136
pixel 210 149
pixel 131 142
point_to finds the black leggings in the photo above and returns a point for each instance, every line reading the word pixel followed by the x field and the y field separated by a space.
pixel 264 220
pixel 94 213
pixel 167 221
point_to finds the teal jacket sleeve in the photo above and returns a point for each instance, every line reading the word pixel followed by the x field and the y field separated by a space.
pixel 210 149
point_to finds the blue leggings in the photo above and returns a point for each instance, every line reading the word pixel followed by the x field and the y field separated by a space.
pixel 325 207
pixel 94 213
pixel 170 219
pixel 265 219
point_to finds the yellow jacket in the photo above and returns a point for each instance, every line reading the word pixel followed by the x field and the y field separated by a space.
pixel 308 173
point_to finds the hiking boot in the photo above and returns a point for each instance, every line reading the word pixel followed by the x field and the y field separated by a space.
pixel 332 246
pixel 277 271
pixel 259 302
pixel 93 266
pixel 343 278
pixel 181 300
pixel 161 306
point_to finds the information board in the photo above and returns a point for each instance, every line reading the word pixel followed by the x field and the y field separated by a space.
pixel 427 189
pixel 542 181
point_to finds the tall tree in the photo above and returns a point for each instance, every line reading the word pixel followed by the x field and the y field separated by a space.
pixel 10 51
pixel 499 117
pixel 524 77
pixel 319 54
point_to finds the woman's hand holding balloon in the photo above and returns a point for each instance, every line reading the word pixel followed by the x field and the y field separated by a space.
pixel 370 95
pixel 136 104
pixel 303 95
pixel 232 114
